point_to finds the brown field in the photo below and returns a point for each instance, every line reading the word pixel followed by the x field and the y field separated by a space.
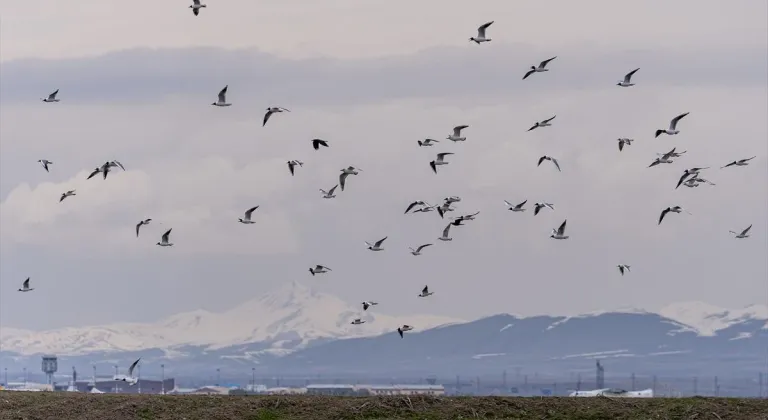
pixel 72 406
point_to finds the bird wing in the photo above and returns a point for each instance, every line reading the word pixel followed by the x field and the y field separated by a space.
pixel 422 247
pixel 425 290
pixel 223 95
pixel 457 129
pixel 166 235
pixel 629 75
pixel 445 231
pixel 743 233
pixel 556 164
pixel 137 228
pixel 621 145
pixel 686 174
pixel 342 179
pixel 545 62
pixel 95 171
pixel 52 96
pixel 528 73
pixel 330 192
pixel 116 162
pixel 412 205
pixel 26 284
pixel 548 120
pixel 440 156
pixel 541 159
pixel 266 116
pixel 482 28
pixel 400 331
pixel 561 229
pixel 250 211
pixel 673 123
pixel 291 164
pixel 381 241
pixel 655 162
pixel 663 213
pixel 196 2
pixel 508 203
pixel 130 369
pixel 521 204
pixel 742 160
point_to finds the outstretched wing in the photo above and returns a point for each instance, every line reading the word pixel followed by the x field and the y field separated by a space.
pixel 381 241
pixel 342 179
pixel 629 75
pixel 166 235
pixel 26 283
pixel 250 211
pixel 673 123
pixel 422 247
pixel 545 62
pixel 266 116
pixel 561 229
pixel 743 233
pixel 528 73
pixel 133 366
pixel 223 95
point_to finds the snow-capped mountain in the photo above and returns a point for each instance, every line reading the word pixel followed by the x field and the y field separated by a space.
pixel 708 319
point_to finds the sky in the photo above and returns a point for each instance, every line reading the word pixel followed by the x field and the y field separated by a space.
pixel 372 79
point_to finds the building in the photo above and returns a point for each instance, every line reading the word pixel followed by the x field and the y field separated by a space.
pixel 143 386
pixel 403 389
pixel 332 389
pixel 211 390
pixel 286 391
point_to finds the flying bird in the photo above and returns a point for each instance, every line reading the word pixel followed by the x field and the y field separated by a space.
pixel 404 328
pixel 687 173
pixel 377 245
pixel 368 304
pixel 222 101
pixel 439 161
pixel 445 207
pixel 622 268
pixel 452 199
pixel 744 234
pixel 675 209
pixel 196 7
pixel 66 194
pixel 665 157
pixel 515 207
pixel 456 135
pixel 140 224
pixel 427 142
pixel 44 163
pixel 25 286
pixel 553 160
pixel 351 170
pixel 445 236
pixel 541 68
pixel 115 163
pixel 357 321
pixel 481 34
pixel 319 269
pixel 316 143
pixel 417 251
pixel 164 239
pixel 425 292
pixel 560 232
pixel 623 141
pixel 247 220
pixel 672 130
pixel 538 206
pixel 414 204
pixel 128 378
pixel 545 123
pixel 51 97
pixel 270 111
pixel 626 82
pixel 292 164
pixel 740 162
pixel 466 217
pixel 329 193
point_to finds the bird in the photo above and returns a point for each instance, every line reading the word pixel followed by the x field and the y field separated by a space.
pixel 456 135
pixel 128 378
pixel 658 161
pixel 222 101
pixel 357 321
pixel 404 328
pixel 95 171
pixel 671 153
pixel 687 173
pixel 414 204
pixel 143 222
pixel 25 286
pixel 292 164
pixel 481 34
pixel 66 194
pixel 672 130
pixel 560 232
pixel 515 207
pixel 742 235
pixel 445 236
pixel 247 220
pixel 698 180
pixel 44 163
pixel 627 78
pixel 115 163
pixel 329 193
pixel 270 111
pixel 427 142
pixel 623 141
pixel 466 217
pixel 538 206
pixel 51 97
pixel 368 304
pixel 452 199
pixel 541 68
pixel 106 168
pixel 164 239
pixel 196 7
pixel 425 292
pixel 426 208
pixel 543 158
pixel 377 245
pixel 439 161
pixel 674 209
pixel 316 143
pixel 345 173
pixel 623 267
pixel 319 269
pixel 740 162
pixel 445 207
pixel 545 123
pixel 417 251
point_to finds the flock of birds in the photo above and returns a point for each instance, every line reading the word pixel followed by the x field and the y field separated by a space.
pixel 690 178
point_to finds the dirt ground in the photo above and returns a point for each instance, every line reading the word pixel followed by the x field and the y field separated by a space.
pixel 74 406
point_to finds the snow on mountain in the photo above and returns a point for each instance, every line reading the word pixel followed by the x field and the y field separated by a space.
pixel 707 319
pixel 293 312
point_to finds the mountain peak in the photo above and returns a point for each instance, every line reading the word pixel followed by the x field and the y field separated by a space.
pixel 708 319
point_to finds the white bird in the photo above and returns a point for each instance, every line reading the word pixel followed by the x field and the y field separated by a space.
pixel 164 239
pixel 128 378
pixel 140 224
pixel 367 304
pixel 445 236
pixel 51 97
pixel 559 233
pixel 691 183
pixel 742 235
pixel 456 135
pixel 25 286
pixel 439 161
pixel 377 245
pixel 460 219
pixel 672 130
pixel 44 163
pixel 414 204
pixel 445 207
pixel 740 162
pixel 452 199
pixel 247 220
pixel 319 269
pixel 66 194
pixel 623 141
pixel 623 267
pixel 115 163
pixel 626 82
pixel 544 123
pixel 345 173
pixel 222 101
pixel 426 208
pixel 329 193
pixel 553 160
pixel 425 292
pixel 403 329
pixel 665 157
pixel 196 7
pixel 481 34
pixel 292 164
pixel 675 209
pixel 515 207
pixel 538 206
pixel 541 68
pixel 689 172
pixel 357 321
pixel 698 180
pixel 270 111
pixel 417 251
pixel 427 142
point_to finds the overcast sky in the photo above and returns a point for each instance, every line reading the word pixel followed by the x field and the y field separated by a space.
pixel 136 85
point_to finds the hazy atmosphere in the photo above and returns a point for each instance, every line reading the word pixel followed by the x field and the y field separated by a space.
pixel 372 79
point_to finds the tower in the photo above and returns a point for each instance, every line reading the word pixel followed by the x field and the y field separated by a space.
pixel 600 376
pixel 49 366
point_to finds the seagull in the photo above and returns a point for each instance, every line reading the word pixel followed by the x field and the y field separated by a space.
pixel 66 194
pixel 164 239
pixel 658 161
pixel 425 292
pixel 672 126
pixel 675 209
pixel 417 251
pixel 368 304
pixel 623 141
pixel 196 7
pixel 742 235
pixel 414 204
pixel 44 163
pixel 623 267
pixel 270 111
pixel 316 143
pixel 105 169
pixel 403 329
pixel 452 199
pixel 129 378
pixel 143 222
pixel 691 183
pixel 222 98
pixel 377 245
pixel 545 123
pixel 740 162
pixel 357 321
pixel 689 172
pixel 51 97
pixel 95 171
pixel 627 77
pixel 456 136
pixel 481 34
pixel 115 163
pixel 329 193
pixel 541 68
pixel 538 206
pixel 665 157
pixel 427 142
pixel 293 163
pixel 515 207
pixel 25 286
pixel 248 213
pixel 543 158
pixel 445 207
pixel 445 236
pixel 319 269
pixel 697 180
pixel 465 217
pixel 560 232
pixel 426 208
pixel 346 172
pixel 439 161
